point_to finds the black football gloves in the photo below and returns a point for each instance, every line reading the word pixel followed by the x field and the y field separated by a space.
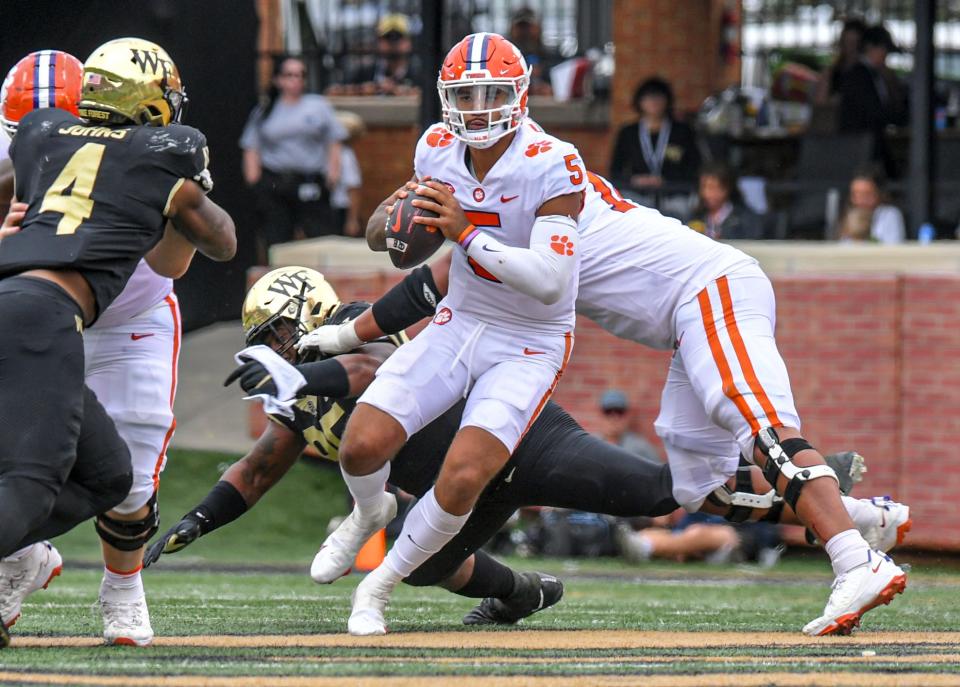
pixel 254 379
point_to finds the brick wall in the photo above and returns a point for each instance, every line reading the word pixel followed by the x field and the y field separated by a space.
pixel 872 361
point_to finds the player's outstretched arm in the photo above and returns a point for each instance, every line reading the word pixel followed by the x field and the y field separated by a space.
pixel 404 305
pixel 173 255
pixel 204 223
pixel 345 376
pixel 377 224
pixel 238 490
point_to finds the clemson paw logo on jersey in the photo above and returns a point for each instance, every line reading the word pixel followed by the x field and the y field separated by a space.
pixel 443 316
pixel 439 137
pixel 537 148
pixel 561 244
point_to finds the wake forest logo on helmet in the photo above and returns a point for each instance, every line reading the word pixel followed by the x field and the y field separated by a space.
pixel 148 59
pixel 291 284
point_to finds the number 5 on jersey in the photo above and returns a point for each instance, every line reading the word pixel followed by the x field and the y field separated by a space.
pixel 78 175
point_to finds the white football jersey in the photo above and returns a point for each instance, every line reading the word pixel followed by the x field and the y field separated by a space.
pixel 535 168
pixel 143 290
pixel 637 266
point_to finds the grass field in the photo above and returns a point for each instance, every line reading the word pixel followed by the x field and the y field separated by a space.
pixel 261 621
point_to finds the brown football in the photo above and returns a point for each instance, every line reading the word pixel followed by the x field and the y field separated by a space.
pixel 408 242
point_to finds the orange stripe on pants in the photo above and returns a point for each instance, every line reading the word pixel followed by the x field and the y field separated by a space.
pixel 741 350
pixel 726 376
pixel 567 351
pixel 175 312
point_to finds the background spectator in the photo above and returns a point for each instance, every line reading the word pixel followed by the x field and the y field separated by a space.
pixel 394 71
pixel 849 54
pixel 720 211
pixel 872 96
pixel 291 156
pixel 867 216
pixel 657 149
pixel 616 426
pixel 525 33
pixel 345 197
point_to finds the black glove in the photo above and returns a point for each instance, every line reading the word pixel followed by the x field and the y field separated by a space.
pixel 254 379
pixel 177 537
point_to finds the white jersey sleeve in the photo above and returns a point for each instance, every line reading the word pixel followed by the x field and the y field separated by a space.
pixel 533 169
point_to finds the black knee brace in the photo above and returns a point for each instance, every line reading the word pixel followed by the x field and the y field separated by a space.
pixel 744 499
pixel 129 535
pixel 780 462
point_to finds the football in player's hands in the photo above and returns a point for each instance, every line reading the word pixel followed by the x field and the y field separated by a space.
pixel 410 243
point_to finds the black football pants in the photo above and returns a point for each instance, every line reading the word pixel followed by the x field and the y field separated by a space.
pixel 560 465
pixel 61 459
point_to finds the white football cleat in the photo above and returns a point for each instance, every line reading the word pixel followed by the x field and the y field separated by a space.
pixel 854 593
pixel 340 549
pixel 893 526
pixel 126 623
pixel 20 578
pixel 369 602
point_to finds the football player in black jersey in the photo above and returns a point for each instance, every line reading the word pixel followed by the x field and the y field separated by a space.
pixel 99 192
pixel 557 463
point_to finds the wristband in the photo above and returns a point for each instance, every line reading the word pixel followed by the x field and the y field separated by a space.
pixel 222 505
pixel 467 236
pixel 407 302
pixel 325 378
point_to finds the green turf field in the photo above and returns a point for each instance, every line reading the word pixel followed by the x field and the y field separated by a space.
pixel 278 627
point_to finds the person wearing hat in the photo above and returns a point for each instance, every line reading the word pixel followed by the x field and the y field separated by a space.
pixel 525 33
pixel 396 70
pixel 872 96
pixel 616 423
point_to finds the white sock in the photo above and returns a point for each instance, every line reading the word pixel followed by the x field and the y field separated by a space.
pixel 367 490
pixel 847 550
pixel 863 513
pixel 425 531
pixel 118 586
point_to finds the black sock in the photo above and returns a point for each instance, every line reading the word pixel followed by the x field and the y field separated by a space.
pixel 490 578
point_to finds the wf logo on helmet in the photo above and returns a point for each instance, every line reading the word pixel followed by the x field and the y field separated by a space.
pixel 145 59
pixel 290 284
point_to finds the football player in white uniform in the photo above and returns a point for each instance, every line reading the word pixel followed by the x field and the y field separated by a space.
pixel 131 356
pixel 649 279
pixel 510 197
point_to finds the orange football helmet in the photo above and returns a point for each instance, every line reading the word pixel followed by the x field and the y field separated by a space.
pixel 46 78
pixel 483 89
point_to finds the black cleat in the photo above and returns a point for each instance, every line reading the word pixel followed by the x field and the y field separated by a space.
pixel 4 635
pixel 532 592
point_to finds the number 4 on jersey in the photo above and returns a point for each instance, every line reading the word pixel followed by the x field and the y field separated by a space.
pixel 79 176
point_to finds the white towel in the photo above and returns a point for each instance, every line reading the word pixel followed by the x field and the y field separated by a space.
pixel 286 377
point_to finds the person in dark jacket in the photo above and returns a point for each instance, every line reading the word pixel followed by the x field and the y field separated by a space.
pixel 720 212
pixel 657 149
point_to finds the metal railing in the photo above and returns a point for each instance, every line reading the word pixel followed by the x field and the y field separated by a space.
pixel 339 34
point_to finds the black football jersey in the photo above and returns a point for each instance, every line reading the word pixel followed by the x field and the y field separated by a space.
pixel 321 420
pixel 97 195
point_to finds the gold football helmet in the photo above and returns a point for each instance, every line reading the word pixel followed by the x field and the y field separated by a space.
pixel 287 303
pixel 131 80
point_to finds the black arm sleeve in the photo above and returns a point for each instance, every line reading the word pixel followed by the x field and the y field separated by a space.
pixel 408 302
pixel 221 506
pixel 325 378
